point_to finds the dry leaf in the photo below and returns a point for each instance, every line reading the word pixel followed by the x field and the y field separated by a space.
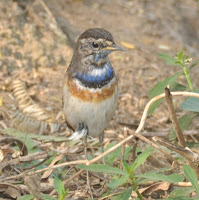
pixel 33 184
pixel 48 173
pixel 152 188
pixel 12 140
pixel 127 45
pixel 12 192
pixel 9 189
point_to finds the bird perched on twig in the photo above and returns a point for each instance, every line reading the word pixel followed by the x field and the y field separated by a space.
pixel 90 91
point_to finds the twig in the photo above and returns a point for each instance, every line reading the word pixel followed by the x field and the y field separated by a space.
pixel 29 173
pixel 134 152
pixel 152 101
pixel 184 184
pixel 191 157
pixel 140 127
pixel 33 166
pixel 141 137
pixel 27 158
pixel 46 8
pixel 165 133
pixel 174 119
pixel 48 11
pixel 185 152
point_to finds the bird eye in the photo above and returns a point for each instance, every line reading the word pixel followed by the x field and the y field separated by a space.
pixel 95 45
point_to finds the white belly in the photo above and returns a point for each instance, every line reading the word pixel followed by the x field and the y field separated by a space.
pixel 96 115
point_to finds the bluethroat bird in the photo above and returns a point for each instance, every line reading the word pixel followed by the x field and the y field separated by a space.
pixel 90 91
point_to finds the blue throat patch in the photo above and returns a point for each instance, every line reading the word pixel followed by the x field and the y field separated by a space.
pixel 98 81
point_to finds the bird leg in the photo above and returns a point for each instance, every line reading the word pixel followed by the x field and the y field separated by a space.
pixel 83 126
pixel 101 140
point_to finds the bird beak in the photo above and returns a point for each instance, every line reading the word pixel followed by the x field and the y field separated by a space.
pixel 113 47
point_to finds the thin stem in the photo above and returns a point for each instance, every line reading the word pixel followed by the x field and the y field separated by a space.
pixel 132 178
pixel 187 76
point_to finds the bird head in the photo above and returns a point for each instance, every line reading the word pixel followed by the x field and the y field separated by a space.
pixel 94 45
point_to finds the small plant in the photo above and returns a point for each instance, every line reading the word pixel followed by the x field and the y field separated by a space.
pixel 121 177
pixel 130 169
pixel 191 176
pixel 191 104
pixel 182 193
pixel 59 187
pixel 128 178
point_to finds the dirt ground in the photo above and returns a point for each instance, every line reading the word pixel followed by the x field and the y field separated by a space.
pixel 37 40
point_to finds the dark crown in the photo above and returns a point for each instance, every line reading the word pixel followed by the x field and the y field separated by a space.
pixel 96 33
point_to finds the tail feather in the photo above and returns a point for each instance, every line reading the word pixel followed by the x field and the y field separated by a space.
pixel 80 132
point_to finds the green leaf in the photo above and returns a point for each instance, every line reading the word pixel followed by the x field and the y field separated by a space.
pixel 110 158
pixel 30 144
pixel 181 192
pixel 191 176
pixel 115 155
pixel 26 197
pixel 47 197
pixel 59 187
pixel 125 195
pixel 180 56
pixel 140 159
pixel 183 198
pixel 191 104
pixel 178 87
pixel 169 60
pixel 102 168
pixel 126 166
pixel 184 123
pixel 127 152
pixel 118 182
pixel 194 64
pixel 154 106
pixel 159 88
pixel 21 134
pixel 65 193
pixel 172 178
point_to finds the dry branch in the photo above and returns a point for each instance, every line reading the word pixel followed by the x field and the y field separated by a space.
pixel 174 119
